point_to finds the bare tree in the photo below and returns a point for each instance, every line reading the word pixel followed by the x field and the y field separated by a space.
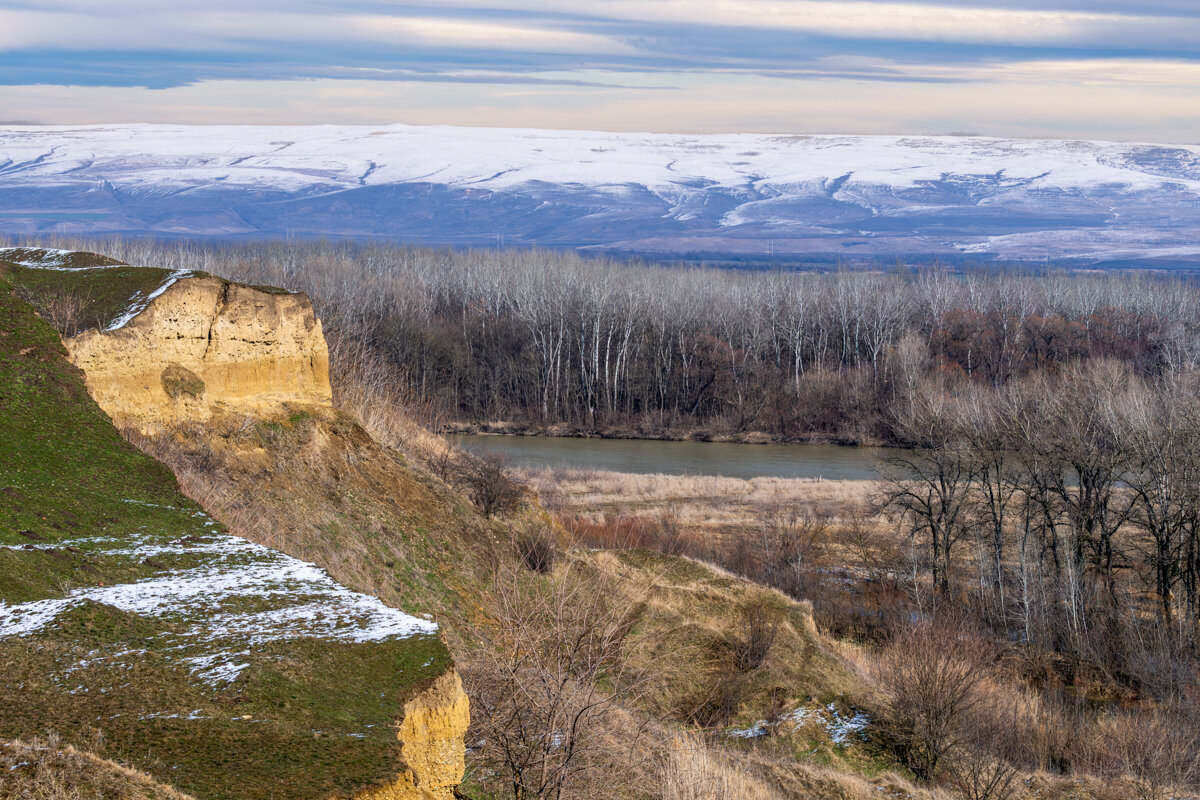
pixel 931 482
pixel 488 481
pixel 550 680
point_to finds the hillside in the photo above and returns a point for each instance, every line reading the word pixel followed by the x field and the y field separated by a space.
pixel 726 196
pixel 48 770
pixel 220 666
pixel 304 476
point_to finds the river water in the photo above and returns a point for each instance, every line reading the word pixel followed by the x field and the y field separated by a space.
pixel 642 456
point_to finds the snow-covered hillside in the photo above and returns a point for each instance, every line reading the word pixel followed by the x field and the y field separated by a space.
pixel 852 196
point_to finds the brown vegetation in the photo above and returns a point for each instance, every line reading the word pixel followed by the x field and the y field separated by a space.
pixel 1046 504
pixel 550 681
pixel 45 769
pixel 552 340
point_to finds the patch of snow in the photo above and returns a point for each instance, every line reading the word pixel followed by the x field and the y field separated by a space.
pixel 226 672
pixel 138 303
pixel 47 258
pixel 208 603
pixel 843 731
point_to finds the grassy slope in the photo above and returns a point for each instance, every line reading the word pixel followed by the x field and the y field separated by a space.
pixel 312 483
pixel 315 485
pixel 307 719
pixel 44 770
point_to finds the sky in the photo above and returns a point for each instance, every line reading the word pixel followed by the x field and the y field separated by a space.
pixel 1094 69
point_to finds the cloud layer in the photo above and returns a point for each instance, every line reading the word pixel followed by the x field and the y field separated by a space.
pixel 618 54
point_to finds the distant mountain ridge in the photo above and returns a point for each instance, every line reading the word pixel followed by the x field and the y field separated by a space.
pixel 744 195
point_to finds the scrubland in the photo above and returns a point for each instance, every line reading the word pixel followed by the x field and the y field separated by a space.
pixel 1011 608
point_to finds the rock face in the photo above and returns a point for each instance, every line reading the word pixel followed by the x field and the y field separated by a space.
pixel 432 743
pixel 204 345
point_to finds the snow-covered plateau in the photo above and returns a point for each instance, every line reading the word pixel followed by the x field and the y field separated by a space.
pixel 851 197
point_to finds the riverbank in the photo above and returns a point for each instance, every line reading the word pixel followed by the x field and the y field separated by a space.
pixel 565 431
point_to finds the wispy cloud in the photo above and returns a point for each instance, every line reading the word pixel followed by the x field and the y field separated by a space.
pixel 233 30
pixel 615 49
pixel 917 22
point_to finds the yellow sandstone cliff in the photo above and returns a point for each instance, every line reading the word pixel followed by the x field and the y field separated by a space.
pixel 432 743
pixel 207 346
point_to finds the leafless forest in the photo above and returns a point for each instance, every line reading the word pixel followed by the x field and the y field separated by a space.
pixel 544 338
pixel 1047 491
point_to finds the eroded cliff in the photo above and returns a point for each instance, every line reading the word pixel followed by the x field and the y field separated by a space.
pixel 202 345
pixel 432 743
pixel 195 348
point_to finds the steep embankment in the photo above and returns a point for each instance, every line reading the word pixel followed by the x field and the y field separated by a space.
pixel 228 384
pixel 215 664
pixel 297 474
pixel 203 343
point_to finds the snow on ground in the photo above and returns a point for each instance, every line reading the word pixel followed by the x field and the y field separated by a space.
pixel 42 258
pixel 291 158
pixel 842 730
pixel 287 599
pixel 138 303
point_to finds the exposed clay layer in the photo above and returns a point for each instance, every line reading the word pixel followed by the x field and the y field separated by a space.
pixel 206 343
pixel 432 743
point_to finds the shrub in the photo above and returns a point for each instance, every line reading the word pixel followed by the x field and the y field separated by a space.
pixel 931 677
pixel 178 381
pixel 758 628
pixel 489 483
pixel 538 549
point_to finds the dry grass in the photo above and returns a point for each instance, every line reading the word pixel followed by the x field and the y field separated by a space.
pixel 697 771
pixel 315 485
pixel 816 782
pixel 692 625
pixel 365 388
pixel 48 770
pixel 700 501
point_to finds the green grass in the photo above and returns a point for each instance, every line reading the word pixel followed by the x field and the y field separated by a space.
pixel 103 288
pixel 308 718
pixel 66 471
pixel 103 293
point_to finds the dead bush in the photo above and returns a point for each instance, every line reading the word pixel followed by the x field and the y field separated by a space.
pixel 1160 755
pixel 930 676
pixel 978 775
pixel 758 627
pixel 64 310
pixel 552 676
pixel 489 483
pixel 720 702
pixel 538 549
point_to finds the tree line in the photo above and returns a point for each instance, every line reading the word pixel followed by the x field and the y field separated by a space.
pixel 551 338
pixel 1077 494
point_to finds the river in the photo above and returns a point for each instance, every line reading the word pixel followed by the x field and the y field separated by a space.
pixel 644 456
